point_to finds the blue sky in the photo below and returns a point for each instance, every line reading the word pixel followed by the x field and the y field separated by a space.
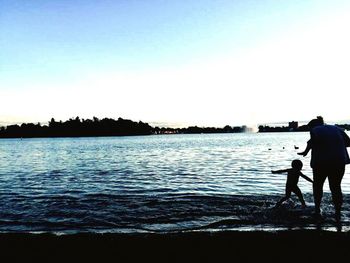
pixel 175 62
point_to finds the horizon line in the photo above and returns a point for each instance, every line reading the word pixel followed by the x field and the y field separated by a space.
pixel 174 125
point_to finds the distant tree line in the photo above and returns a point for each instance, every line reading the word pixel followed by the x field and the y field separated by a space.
pixel 344 126
pixel 302 128
pixel 76 127
pixel 196 130
pixel 267 128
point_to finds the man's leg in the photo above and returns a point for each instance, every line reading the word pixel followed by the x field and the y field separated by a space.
pixel 334 179
pixel 319 176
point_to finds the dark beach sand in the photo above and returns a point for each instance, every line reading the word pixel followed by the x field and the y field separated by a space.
pixel 303 245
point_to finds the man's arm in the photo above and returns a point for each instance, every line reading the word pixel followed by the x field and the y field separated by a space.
pixel 306 178
pixel 307 149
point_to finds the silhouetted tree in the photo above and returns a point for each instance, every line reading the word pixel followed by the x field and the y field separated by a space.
pixel 75 127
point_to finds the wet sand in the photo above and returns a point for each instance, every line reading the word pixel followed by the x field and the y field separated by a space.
pixel 179 247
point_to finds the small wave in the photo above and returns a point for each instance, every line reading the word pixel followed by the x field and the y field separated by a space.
pixel 163 212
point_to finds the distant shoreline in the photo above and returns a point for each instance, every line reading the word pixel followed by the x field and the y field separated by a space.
pixel 103 127
pixel 122 127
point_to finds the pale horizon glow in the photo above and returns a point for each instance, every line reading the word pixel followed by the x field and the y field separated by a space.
pixel 249 64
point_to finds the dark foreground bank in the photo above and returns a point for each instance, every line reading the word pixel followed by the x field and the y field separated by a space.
pixel 180 247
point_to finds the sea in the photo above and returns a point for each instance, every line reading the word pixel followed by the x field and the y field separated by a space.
pixel 158 184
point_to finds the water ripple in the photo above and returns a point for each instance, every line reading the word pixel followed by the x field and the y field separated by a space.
pixel 146 182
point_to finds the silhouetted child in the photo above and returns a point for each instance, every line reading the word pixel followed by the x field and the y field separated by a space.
pixel 292 181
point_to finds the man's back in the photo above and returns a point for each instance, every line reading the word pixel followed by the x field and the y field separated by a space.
pixel 328 146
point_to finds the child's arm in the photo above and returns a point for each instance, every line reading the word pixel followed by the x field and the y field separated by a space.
pixel 280 171
pixel 306 178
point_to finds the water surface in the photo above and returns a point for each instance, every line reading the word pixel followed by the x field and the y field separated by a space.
pixel 151 183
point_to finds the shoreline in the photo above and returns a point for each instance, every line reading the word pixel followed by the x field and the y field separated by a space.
pixel 178 246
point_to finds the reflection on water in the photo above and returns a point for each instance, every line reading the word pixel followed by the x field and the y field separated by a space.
pixel 105 183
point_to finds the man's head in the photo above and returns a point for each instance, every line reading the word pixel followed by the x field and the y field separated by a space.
pixel 316 122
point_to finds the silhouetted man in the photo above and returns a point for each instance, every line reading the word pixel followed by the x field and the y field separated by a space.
pixel 328 159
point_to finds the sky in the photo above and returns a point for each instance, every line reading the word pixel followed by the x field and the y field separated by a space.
pixel 175 63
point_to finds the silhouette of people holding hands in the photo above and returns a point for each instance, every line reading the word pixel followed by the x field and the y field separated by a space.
pixel 328 159
pixel 293 175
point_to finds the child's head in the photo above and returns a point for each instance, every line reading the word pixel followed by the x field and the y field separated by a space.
pixel 297 164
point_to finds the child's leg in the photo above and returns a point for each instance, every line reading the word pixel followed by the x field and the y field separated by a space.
pixel 281 201
pixel 286 197
pixel 297 191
